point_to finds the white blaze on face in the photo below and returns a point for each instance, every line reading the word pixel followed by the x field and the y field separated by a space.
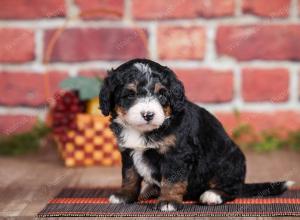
pixel 148 104
pixel 146 70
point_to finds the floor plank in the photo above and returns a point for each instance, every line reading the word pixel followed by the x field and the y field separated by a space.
pixel 27 183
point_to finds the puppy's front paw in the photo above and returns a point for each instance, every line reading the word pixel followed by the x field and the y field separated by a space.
pixel 120 198
pixel 211 197
pixel 169 206
pixel 116 199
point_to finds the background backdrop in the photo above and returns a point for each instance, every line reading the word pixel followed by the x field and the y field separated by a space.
pixel 231 54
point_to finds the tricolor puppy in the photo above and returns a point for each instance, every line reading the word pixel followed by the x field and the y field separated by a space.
pixel 177 148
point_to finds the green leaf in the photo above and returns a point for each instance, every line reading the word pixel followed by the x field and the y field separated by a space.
pixel 269 141
pixel 22 143
pixel 293 139
pixel 241 130
pixel 88 87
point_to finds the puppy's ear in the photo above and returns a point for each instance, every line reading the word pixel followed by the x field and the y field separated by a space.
pixel 177 95
pixel 106 94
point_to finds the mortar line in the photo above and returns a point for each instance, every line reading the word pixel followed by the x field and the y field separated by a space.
pixel 45 23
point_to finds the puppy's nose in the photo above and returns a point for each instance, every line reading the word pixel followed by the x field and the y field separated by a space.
pixel 148 116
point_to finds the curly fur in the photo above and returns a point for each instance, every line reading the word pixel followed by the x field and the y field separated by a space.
pixel 200 154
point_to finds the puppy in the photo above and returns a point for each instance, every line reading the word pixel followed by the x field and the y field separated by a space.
pixel 177 148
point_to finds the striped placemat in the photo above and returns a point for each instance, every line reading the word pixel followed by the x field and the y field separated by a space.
pixel 94 203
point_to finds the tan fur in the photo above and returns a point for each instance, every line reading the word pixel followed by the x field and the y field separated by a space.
pixel 212 184
pixel 120 112
pixel 132 86
pixel 157 87
pixel 149 191
pixel 131 183
pixel 167 111
pixel 166 143
pixel 172 191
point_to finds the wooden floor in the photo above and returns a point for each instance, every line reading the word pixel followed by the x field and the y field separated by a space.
pixel 27 183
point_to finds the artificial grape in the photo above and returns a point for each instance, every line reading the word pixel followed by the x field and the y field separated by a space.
pixel 67 106
pixel 58 130
pixel 60 107
pixel 63 138
pixel 75 108
pixel 65 121
pixel 58 116
pixel 76 101
pixel 72 116
pixel 57 124
pixel 73 126
pixel 67 100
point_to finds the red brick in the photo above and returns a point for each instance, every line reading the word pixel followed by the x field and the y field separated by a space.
pixel 181 42
pixel 261 121
pixel 170 9
pixel 27 89
pixel 274 42
pixel 10 124
pixel 207 86
pixel 16 45
pixel 271 85
pixel 92 9
pixel 31 9
pixel 278 8
pixel 93 73
pixel 98 44
pixel 299 86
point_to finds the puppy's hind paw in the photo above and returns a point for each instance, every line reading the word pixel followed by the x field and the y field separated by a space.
pixel 210 197
pixel 114 199
pixel 289 184
pixel 119 198
pixel 169 206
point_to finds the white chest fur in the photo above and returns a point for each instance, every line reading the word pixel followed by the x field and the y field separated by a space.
pixel 131 138
pixel 142 167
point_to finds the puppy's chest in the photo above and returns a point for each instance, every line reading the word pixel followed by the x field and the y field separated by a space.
pixel 130 138
pixel 147 164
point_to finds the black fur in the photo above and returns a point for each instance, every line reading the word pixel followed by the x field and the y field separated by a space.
pixel 204 155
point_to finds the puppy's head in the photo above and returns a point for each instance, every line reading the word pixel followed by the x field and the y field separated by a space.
pixel 141 94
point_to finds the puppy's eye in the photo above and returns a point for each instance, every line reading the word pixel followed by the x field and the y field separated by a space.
pixel 129 95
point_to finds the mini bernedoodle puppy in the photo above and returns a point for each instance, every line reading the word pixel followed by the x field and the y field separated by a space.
pixel 176 148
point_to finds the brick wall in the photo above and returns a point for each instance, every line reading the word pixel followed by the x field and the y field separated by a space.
pixel 230 54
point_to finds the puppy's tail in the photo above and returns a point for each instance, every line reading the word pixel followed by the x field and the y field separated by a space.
pixel 265 189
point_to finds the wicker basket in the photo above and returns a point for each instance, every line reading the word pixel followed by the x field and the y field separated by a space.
pixel 90 143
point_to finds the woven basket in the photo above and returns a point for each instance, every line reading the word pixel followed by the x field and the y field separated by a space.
pixel 90 143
